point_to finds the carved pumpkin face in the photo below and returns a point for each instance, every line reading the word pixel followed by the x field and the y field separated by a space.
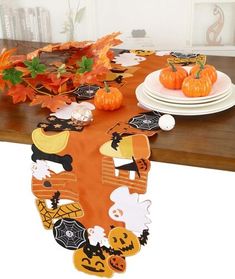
pixel 124 240
pixel 117 263
pixel 94 265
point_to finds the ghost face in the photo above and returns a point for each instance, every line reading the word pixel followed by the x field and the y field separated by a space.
pixel 115 213
pixel 124 240
pixel 93 266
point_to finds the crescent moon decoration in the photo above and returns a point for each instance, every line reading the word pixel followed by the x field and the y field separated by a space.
pixel 213 32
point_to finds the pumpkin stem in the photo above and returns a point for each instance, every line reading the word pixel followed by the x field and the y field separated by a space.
pixel 197 76
pixel 201 64
pixel 173 67
pixel 107 89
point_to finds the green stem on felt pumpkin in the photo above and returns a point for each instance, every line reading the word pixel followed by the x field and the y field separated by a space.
pixel 107 89
pixel 173 67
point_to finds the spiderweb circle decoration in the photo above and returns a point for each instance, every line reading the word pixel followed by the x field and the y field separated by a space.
pixel 69 233
pixel 146 121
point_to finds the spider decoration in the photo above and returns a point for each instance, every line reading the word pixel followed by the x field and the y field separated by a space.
pixel 70 234
pixel 146 121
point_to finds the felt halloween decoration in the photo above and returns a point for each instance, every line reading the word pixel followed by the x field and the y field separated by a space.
pixel 173 76
pixel 93 250
pixel 59 125
pixel 175 59
pixel 69 233
pixel 197 86
pixel 108 98
pixel 97 235
pixel 128 59
pixel 65 161
pixel 71 210
pixel 143 238
pixel 146 121
pixel 206 70
pixel 86 92
pixel 66 111
pixel 142 52
pixel 124 240
pixel 93 266
pixel 50 144
pixel 128 209
pixel 117 263
pixel 136 146
pixel 123 128
pixel 109 177
pixel 55 200
pixel 166 122
pixel 40 169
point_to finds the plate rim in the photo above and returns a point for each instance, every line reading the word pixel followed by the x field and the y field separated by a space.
pixel 186 99
pixel 185 113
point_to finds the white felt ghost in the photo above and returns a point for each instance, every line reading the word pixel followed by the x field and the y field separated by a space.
pixel 40 170
pixel 129 210
pixel 97 235
pixel 128 59
pixel 66 111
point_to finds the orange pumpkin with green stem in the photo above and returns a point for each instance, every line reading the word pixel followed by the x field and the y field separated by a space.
pixel 173 76
pixel 197 85
pixel 206 70
pixel 108 98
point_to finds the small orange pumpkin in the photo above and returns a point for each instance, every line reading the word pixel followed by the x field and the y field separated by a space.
pixel 197 85
pixel 108 98
pixel 206 70
pixel 117 263
pixel 173 76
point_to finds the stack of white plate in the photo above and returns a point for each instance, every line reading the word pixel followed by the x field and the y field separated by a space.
pixel 152 95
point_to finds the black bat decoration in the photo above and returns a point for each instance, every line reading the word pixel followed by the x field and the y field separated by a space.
pixel 111 251
pixel 116 138
pixel 143 239
pixel 55 200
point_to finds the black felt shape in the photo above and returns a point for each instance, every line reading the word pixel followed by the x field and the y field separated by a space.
pixel 111 251
pixel 116 138
pixel 47 184
pixel 143 239
pixel 70 233
pixel 146 121
pixel 65 161
pixel 86 92
pixel 55 200
pixel 183 55
pixel 91 250
pixel 130 167
pixel 58 124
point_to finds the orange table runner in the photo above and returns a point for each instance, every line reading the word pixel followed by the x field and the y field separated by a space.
pixel 91 182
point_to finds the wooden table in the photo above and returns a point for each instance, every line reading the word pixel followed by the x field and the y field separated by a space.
pixel 203 141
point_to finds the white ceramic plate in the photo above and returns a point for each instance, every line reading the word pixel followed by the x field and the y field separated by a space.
pixel 153 85
pixel 189 105
pixel 146 102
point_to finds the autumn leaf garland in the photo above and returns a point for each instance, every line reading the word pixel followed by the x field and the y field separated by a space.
pixel 30 78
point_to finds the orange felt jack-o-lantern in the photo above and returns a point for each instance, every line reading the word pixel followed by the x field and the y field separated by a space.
pixel 124 240
pixel 93 265
pixel 117 263
pixel 108 98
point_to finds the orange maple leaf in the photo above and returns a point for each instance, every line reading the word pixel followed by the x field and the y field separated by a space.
pixel 5 58
pixel 51 102
pixel 20 93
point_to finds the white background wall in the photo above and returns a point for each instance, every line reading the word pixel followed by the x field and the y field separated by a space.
pixel 168 23
pixel 192 235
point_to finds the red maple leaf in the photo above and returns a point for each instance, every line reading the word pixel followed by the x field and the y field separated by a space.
pixel 20 93
pixel 51 102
